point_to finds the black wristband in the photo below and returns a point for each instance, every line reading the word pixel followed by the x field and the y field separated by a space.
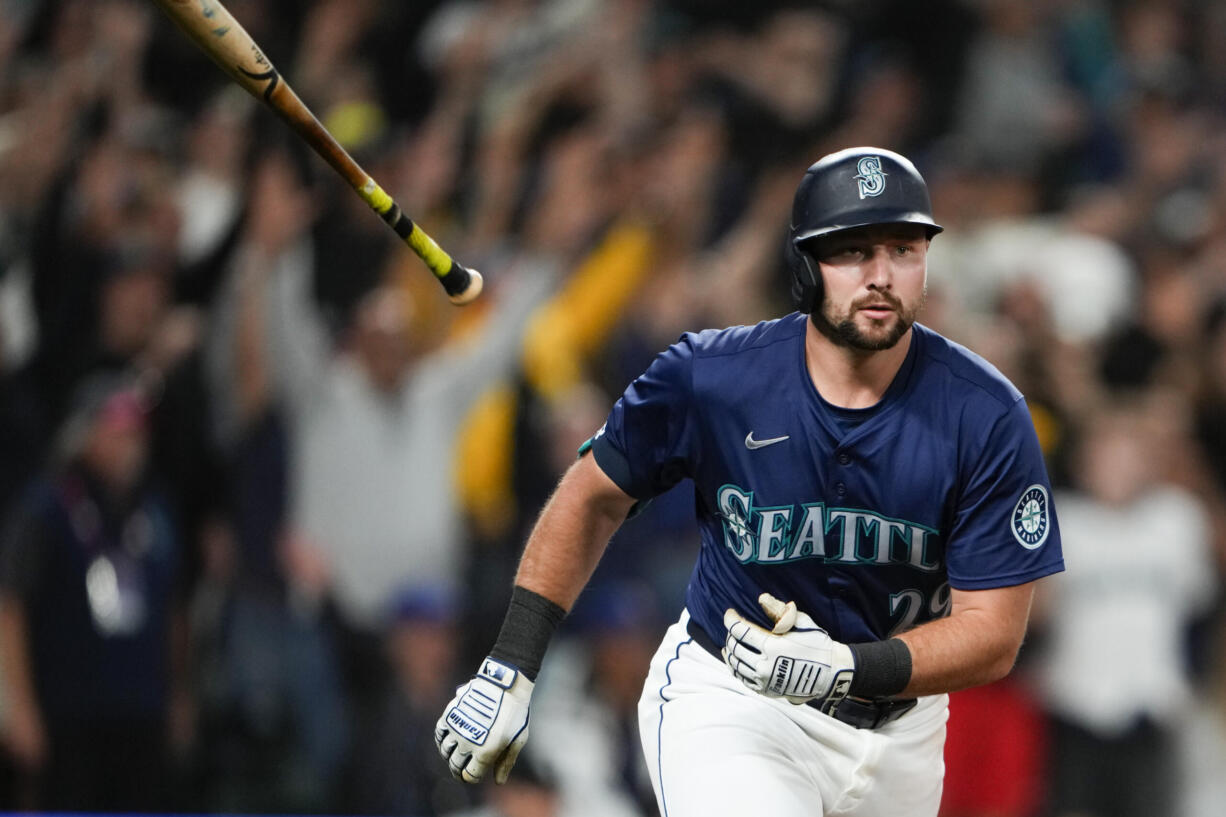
pixel 883 668
pixel 529 624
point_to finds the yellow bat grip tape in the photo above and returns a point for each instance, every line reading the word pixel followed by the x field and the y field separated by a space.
pixel 376 197
pixel 438 261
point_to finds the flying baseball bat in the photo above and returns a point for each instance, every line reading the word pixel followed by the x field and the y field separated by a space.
pixel 231 47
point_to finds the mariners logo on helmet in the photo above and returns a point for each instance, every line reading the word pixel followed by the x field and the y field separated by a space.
pixel 871 177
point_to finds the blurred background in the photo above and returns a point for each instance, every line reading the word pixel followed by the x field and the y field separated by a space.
pixel 264 488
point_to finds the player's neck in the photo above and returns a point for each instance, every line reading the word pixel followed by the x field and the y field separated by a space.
pixel 852 378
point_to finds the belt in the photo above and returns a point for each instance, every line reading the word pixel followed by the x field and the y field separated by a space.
pixel 861 713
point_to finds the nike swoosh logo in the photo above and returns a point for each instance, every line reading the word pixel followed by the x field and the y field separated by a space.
pixel 751 443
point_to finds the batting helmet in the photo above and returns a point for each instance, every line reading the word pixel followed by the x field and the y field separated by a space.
pixel 851 188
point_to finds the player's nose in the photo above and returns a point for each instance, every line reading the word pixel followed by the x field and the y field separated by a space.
pixel 877 270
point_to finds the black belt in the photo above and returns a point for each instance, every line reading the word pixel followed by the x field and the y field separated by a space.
pixel 861 713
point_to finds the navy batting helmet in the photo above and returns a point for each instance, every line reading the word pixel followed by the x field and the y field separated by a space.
pixel 851 188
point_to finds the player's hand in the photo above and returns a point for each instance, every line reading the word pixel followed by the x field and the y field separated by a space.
pixel 486 723
pixel 796 660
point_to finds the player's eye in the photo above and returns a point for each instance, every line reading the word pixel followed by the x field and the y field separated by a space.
pixel 848 253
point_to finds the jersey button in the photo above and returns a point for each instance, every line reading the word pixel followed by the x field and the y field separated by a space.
pixel 840 488
pixel 844 458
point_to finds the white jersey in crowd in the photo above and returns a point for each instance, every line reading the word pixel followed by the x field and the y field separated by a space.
pixel 1137 575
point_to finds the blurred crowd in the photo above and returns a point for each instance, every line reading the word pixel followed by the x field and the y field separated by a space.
pixel 264 488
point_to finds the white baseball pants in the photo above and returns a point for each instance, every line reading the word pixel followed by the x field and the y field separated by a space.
pixel 717 749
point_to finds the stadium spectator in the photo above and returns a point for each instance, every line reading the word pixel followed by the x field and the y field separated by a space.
pixel 589 727
pixel 370 419
pixel 1113 718
pixel 91 621
pixel 422 643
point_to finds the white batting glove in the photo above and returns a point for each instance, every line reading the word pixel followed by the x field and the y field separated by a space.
pixel 486 723
pixel 796 660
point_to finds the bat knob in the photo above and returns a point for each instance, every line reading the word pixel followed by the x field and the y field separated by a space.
pixel 470 292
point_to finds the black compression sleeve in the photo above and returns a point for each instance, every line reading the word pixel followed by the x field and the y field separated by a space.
pixel 529 624
pixel 883 668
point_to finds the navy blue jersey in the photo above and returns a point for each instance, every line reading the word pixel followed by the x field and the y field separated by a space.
pixel 865 525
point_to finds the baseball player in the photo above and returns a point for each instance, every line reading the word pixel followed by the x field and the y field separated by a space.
pixel 874 511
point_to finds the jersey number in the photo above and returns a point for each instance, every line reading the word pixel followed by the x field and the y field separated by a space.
pixel 911 603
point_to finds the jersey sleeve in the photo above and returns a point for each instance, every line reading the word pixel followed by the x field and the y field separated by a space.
pixel 1005 530
pixel 646 445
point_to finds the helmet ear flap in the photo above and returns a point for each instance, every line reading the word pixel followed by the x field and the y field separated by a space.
pixel 806 278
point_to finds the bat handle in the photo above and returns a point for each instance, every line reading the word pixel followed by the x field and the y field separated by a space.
pixel 462 284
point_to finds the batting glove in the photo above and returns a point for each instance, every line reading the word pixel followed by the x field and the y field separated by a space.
pixel 796 660
pixel 486 723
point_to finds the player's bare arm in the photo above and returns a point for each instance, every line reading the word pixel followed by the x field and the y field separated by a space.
pixel 486 724
pixel 976 644
pixel 798 660
pixel 571 533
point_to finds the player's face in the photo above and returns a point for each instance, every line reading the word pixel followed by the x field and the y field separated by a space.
pixel 873 282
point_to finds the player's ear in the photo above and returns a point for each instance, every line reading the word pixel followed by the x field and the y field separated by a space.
pixel 806 276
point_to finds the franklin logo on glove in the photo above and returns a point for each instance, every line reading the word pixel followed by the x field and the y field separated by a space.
pixel 782 667
pixel 474 732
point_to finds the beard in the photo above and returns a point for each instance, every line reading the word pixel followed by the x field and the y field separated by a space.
pixel 882 333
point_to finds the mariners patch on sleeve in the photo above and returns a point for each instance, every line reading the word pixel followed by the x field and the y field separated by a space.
pixel 1032 517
